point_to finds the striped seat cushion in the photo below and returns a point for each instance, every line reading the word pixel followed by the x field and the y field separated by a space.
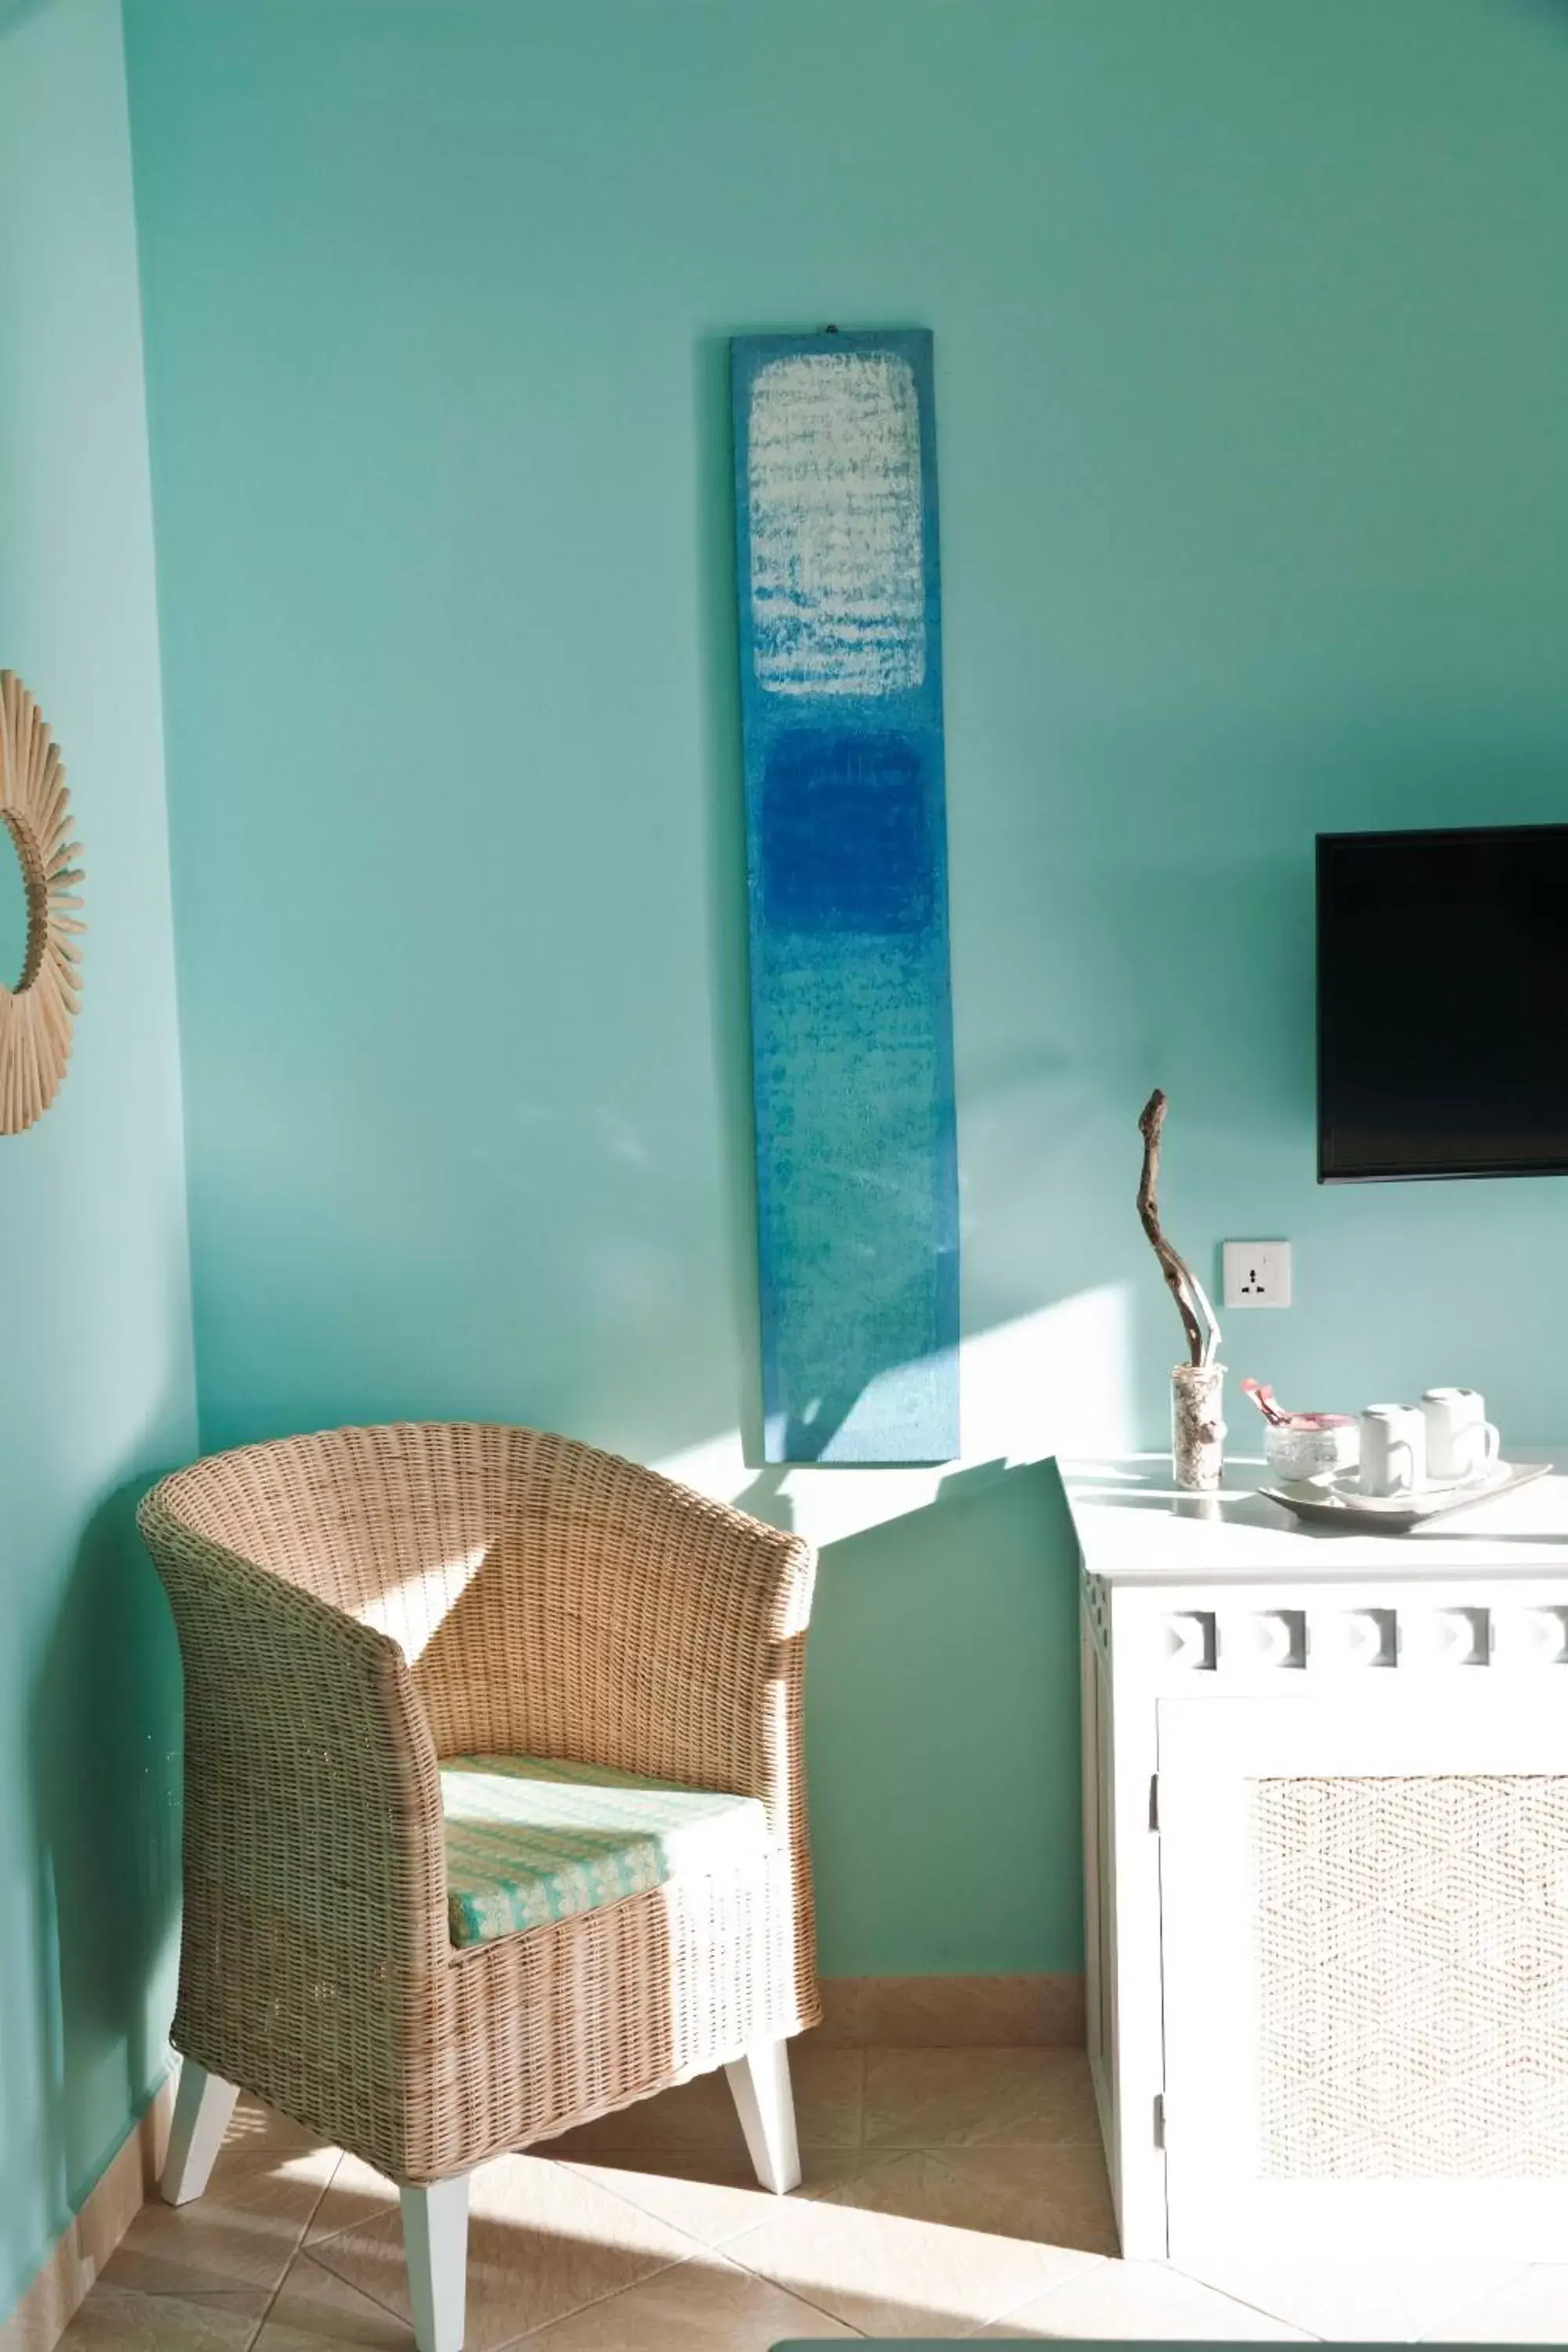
pixel 531 1838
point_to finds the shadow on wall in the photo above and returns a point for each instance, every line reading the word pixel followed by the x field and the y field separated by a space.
pixel 942 1734
pixel 16 12
pixel 725 830
pixel 105 1765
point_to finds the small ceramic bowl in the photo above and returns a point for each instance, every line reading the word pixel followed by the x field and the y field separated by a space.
pixel 1311 1444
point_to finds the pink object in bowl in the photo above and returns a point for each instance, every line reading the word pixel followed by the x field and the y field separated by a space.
pixel 1313 1445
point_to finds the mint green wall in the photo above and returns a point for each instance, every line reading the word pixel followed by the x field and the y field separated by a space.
pixel 95 1350
pixel 1252 372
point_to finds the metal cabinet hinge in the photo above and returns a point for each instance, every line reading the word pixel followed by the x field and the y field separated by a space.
pixel 1154 1803
pixel 1159 2119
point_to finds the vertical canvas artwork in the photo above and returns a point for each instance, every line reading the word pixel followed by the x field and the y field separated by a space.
pixel 840 644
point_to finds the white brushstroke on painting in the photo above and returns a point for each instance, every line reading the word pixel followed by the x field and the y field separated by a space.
pixel 838 563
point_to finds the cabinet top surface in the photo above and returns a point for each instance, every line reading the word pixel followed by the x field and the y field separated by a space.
pixel 1134 1527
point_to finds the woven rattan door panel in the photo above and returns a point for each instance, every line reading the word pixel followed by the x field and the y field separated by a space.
pixel 1411 1950
pixel 1364 1944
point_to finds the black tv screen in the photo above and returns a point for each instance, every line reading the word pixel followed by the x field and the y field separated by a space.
pixel 1443 1004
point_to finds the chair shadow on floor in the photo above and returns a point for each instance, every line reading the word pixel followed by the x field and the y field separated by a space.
pixel 647 2227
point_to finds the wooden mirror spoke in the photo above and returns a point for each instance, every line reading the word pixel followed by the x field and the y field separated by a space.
pixel 36 1017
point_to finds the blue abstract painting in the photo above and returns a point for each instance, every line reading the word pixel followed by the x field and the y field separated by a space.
pixel 840 641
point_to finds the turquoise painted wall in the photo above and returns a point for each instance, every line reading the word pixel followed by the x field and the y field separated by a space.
pixel 1252 367
pixel 96 1383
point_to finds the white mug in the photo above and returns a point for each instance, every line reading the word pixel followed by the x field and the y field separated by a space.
pixel 1393 1449
pixel 1461 1443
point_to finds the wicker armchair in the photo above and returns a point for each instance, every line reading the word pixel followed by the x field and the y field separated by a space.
pixel 353 1608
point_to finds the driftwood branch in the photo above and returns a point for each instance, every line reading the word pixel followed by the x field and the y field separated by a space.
pixel 1197 1316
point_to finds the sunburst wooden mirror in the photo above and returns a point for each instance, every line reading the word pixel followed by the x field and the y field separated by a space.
pixel 38 1001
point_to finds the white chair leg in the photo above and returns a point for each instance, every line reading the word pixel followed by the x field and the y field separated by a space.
pixel 760 2082
pixel 436 2248
pixel 202 2106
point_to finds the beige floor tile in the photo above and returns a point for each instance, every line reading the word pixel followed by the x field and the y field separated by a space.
pixel 1133 2300
pixel 701 2116
pixel 257 2132
pixel 355 2195
pixel 713 2201
pixel 929 2098
pixel 1530 2307
pixel 119 2319
pixel 1054 2195
pixel 697 2118
pixel 542 2241
pixel 1051 2196
pixel 315 2311
pixel 1382 2297
pixel 705 2306
pixel 243 2232
pixel 854 2253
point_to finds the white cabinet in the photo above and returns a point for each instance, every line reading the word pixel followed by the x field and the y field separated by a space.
pixel 1326 1812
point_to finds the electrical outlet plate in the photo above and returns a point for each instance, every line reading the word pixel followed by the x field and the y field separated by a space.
pixel 1257 1274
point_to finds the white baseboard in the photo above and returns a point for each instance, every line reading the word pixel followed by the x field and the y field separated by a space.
pixel 50 2303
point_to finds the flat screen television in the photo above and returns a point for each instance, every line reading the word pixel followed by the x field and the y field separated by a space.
pixel 1443 1004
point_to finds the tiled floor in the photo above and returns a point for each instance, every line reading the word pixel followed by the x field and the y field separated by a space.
pixel 947 2192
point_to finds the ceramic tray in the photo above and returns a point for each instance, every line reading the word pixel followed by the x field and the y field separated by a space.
pixel 1336 1499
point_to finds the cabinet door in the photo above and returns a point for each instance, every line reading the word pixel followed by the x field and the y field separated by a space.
pixel 1364 1951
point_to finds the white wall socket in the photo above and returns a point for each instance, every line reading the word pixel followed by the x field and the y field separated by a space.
pixel 1257 1274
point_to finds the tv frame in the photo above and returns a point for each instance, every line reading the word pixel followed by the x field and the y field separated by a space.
pixel 1467 1171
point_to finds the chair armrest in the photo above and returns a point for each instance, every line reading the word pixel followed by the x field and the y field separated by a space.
pixel 713 1648
pixel 312 1803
